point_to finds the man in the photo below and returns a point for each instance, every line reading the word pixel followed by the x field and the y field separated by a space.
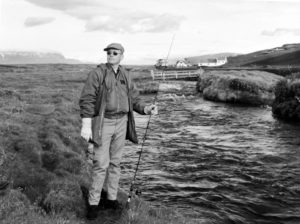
pixel 106 104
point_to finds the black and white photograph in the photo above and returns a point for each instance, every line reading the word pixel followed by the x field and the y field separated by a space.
pixel 150 112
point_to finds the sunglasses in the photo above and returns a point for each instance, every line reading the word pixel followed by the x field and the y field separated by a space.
pixel 115 53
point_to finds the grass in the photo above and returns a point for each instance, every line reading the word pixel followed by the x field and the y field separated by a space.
pixel 43 158
pixel 243 87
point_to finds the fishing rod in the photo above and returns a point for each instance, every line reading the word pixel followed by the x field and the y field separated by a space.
pixel 138 192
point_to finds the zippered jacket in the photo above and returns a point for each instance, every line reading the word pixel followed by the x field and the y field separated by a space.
pixel 97 98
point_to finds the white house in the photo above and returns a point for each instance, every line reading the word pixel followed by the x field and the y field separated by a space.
pixel 181 64
pixel 213 62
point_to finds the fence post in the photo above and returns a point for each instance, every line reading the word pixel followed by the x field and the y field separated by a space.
pixel 152 74
pixel 163 75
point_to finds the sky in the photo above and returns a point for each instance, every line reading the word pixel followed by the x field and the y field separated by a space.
pixel 81 29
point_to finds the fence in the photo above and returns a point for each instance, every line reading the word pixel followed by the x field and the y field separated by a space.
pixel 175 74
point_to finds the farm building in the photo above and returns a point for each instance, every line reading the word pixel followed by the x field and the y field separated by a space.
pixel 213 62
pixel 182 64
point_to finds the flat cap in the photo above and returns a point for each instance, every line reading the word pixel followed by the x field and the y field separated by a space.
pixel 115 46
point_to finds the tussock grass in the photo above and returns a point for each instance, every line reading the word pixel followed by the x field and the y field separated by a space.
pixel 50 160
pixel 32 179
pixel 72 165
pixel 142 212
pixel 29 150
pixel 16 208
pixel 64 195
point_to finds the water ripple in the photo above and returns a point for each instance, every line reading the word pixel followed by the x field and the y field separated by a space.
pixel 218 163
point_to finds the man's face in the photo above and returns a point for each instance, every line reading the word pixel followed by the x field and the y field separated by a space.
pixel 114 56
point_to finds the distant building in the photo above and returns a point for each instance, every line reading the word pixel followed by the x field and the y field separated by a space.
pixel 161 63
pixel 182 64
pixel 213 62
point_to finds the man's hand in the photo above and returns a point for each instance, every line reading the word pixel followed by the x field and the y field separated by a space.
pixel 151 109
pixel 86 129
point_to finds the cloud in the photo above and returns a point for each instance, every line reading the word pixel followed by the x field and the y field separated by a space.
pixel 63 4
pixel 135 23
pixel 103 17
pixel 281 31
pixel 37 21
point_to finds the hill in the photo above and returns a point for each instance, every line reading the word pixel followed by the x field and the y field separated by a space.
pixel 32 57
pixel 288 54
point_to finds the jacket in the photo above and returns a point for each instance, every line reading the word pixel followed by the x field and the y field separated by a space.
pixel 93 97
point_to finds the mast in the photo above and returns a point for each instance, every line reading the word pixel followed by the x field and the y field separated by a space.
pixel 170 48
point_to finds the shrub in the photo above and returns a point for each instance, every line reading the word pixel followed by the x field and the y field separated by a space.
pixel 286 104
pixel 281 91
pixel 295 88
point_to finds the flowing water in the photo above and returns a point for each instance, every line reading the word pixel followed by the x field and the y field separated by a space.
pixel 216 162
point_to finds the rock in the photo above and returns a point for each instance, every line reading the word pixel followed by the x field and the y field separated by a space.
pixel 244 87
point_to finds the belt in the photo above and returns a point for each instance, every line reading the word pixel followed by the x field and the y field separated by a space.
pixel 115 115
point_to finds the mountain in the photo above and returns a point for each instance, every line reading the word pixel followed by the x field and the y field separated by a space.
pixel 205 58
pixel 32 57
pixel 288 54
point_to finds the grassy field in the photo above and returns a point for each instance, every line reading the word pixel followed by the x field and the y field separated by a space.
pixel 43 167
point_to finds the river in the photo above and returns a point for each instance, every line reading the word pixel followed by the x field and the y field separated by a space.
pixel 217 162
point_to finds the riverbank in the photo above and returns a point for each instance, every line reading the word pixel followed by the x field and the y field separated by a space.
pixel 43 167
